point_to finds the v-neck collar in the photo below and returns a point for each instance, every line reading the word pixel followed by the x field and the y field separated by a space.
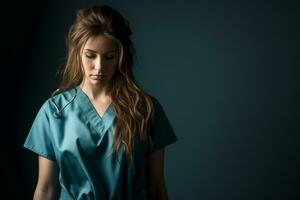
pixel 101 124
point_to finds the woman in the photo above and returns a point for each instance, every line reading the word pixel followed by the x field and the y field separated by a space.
pixel 100 136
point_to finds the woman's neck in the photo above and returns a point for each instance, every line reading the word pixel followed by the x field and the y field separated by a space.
pixel 96 92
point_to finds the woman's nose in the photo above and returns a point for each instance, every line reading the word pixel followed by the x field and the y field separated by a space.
pixel 98 63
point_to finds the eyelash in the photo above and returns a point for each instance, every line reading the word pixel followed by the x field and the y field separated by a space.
pixel 106 57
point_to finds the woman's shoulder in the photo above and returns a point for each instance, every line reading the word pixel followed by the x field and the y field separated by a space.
pixel 157 106
pixel 58 98
pixel 156 102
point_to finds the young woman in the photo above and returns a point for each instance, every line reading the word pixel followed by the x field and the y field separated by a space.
pixel 100 136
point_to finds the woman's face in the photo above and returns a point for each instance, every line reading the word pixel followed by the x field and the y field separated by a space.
pixel 99 59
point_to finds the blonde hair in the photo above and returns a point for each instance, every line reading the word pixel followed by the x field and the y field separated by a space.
pixel 133 106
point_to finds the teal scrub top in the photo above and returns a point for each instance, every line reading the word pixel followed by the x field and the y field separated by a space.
pixel 80 143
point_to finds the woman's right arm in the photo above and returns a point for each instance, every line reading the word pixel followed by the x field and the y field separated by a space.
pixel 48 185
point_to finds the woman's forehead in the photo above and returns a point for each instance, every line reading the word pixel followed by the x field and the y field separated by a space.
pixel 100 43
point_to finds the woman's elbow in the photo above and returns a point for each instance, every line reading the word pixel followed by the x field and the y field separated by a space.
pixel 45 194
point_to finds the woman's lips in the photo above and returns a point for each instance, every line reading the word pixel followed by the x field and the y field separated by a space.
pixel 97 76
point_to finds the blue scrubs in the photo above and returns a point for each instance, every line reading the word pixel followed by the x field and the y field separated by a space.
pixel 80 143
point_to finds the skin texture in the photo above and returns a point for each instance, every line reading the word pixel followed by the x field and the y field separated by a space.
pixel 100 56
pixel 48 185
pixel 156 186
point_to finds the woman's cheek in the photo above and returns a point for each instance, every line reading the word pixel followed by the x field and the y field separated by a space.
pixel 87 65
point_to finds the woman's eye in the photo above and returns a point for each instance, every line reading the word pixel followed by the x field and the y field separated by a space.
pixel 109 57
pixel 89 56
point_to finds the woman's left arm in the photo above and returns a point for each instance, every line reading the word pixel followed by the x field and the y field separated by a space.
pixel 156 187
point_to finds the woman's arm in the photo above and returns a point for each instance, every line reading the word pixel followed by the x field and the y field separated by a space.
pixel 156 187
pixel 47 186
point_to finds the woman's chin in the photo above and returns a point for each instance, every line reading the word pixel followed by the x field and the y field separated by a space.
pixel 97 81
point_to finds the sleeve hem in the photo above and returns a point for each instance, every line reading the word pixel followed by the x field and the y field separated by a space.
pixel 41 153
pixel 164 145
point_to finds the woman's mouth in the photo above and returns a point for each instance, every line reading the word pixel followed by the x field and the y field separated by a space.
pixel 97 76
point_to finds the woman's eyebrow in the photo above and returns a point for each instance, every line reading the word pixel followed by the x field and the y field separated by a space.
pixel 113 50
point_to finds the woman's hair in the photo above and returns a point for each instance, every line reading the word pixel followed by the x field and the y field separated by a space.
pixel 133 107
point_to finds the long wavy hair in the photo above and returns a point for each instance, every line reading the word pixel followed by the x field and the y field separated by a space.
pixel 133 106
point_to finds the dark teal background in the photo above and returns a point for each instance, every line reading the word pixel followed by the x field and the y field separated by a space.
pixel 226 73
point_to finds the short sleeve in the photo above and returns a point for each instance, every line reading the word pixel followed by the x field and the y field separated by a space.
pixel 162 132
pixel 38 139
